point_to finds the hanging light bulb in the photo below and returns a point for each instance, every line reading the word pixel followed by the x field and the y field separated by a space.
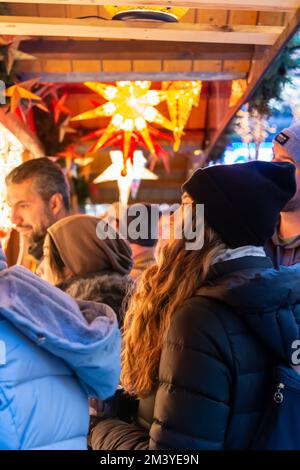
pixel 145 13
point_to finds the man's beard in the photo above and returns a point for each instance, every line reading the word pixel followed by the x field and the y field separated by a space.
pixel 293 204
pixel 39 234
pixel 37 237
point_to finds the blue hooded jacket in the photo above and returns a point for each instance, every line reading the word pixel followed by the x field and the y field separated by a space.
pixel 54 353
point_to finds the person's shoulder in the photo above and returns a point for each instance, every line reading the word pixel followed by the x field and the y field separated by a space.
pixel 199 307
pixel 199 316
pixel 198 325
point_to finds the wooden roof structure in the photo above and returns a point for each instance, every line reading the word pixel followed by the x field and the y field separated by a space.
pixel 216 42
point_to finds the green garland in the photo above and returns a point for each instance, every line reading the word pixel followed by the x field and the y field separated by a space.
pixel 276 78
pixel 270 88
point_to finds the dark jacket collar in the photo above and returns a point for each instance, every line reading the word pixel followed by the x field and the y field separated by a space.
pixel 239 264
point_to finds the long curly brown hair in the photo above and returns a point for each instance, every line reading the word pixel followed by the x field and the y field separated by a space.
pixel 162 288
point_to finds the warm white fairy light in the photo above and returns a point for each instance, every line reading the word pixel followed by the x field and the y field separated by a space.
pixel 11 151
pixel 291 96
pixel 260 130
pixel 253 127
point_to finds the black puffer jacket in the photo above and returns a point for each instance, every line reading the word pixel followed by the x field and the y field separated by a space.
pixel 107 288
pixel 217 362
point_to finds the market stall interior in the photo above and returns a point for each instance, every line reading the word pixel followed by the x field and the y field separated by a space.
pixel 132 99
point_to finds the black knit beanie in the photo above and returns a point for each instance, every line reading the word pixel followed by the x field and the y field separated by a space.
pixel 242 202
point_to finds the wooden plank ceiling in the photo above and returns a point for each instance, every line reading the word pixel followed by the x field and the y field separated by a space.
pixel 216 41
pixel 213 43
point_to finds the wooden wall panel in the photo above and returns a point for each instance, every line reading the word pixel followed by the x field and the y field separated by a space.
pixel 29 66
pixel 243 17
pixel 147 65
pixel 21 9
pixel 207 65
pixel 76 11
pixel 86 65
pixel 177 65
pixel 236 66
pixel 212 17
pixel 198 116
pixel 189 17
pixel 57 66
pixel 270 18
pixel 102 12
pixel 52 11
pixel 116 65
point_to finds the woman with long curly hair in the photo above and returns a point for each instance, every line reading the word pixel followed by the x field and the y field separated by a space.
pixel 205 326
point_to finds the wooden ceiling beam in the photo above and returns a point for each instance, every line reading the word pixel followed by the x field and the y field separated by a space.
pixel 45 49
pixel 95 28
pixel 79 77
pixel 250 5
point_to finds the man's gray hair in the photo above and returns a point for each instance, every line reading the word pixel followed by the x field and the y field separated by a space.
pixel 47 176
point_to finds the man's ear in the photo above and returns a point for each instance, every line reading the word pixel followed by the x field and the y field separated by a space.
pixel 56 203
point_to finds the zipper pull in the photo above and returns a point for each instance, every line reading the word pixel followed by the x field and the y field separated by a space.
pixel 278 396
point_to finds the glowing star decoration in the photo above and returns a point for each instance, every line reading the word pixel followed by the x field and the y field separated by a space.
pixel 181 98
pixel 22 100
pixel 238 88
pixel 11 152
pixel 13 53
pixel 21 91
pixel 136 172
pixel 83 161
pixel 131 106
pixel 69 154
pixel 84 165
pixel 64 129
pixel 136 141
pixel 60 108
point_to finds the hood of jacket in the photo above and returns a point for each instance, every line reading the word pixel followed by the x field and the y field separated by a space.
pixel 283 253
pixel 266 299
pixel 107 288
pixel 295 243
pixel 3 263
pixel 58 324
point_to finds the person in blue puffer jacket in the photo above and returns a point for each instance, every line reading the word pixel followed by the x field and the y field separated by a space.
pixel 54 354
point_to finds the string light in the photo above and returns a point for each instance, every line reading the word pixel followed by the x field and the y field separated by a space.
pixel 181 97
pixel 11 153
pixel 252 127
pixel 238 88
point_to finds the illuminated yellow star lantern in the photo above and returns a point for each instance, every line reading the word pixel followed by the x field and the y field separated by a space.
pixel 238 88
pixel 181 97
pixel 131 105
